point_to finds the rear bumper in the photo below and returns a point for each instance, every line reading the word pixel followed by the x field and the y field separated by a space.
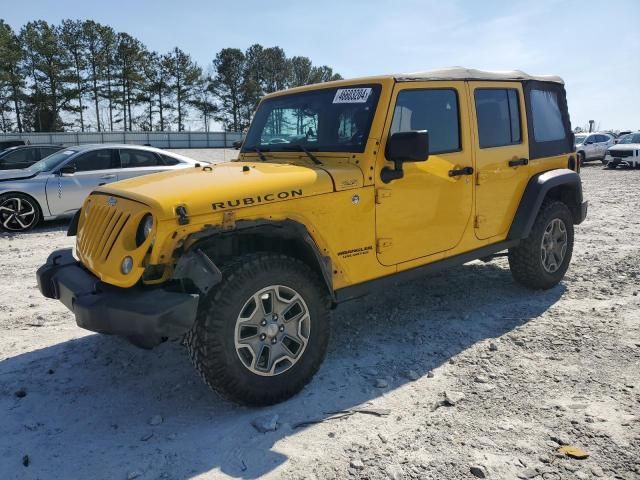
pixel 138 312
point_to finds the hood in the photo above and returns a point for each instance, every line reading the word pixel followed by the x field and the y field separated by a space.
pixel 8 175
pixel 624 147
pixel 232 185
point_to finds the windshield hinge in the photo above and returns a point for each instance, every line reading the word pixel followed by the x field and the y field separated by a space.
pixel 381 194
pixel 229 220
pixel 383 244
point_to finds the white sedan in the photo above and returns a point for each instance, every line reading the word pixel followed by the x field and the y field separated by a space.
pixel 56 186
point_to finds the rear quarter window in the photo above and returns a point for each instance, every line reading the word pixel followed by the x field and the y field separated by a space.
pixel 546 115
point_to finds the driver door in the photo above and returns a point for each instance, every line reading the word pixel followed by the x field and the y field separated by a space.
pixel 67 191
pixel 427 210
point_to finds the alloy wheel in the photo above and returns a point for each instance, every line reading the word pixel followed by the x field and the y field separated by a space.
pixel 272 330
pixel 17 214
pixel 554 245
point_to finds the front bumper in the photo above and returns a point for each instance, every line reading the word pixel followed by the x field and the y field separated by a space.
pixel 613 161
pixel 144 314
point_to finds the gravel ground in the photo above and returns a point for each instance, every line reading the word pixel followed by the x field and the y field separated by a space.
pixel 470 375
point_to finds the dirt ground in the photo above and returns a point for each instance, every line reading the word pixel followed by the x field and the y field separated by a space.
pixel 523 372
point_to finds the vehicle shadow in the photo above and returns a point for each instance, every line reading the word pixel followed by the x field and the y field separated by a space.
pixel 89 400
pixel 51 226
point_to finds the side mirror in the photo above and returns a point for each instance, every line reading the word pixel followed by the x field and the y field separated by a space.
pixel 588 142
pixel 410 146
pixel 68 169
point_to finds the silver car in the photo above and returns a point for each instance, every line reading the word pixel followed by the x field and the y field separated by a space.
pixel 56 186
pixel 593 146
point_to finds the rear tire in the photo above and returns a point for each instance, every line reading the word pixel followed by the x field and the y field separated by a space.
pixel 261 334
pixel 541 260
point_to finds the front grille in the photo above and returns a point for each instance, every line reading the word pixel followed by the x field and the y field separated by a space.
pixel 621 153
pixel 100 231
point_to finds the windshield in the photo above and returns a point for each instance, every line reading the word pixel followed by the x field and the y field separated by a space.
pixel 52 161
pixel 631 138
pixel 580 138
pixel 325 120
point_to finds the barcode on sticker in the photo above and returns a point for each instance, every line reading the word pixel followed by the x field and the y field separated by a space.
pixel 352 95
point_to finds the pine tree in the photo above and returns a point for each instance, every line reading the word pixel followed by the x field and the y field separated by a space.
pixel 229 66
pixel 184 75
pixel 51 74
pixel 12 82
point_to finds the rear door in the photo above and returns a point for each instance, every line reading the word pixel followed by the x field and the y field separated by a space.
pixel 135 162
pixel 501 151
pixel 67 191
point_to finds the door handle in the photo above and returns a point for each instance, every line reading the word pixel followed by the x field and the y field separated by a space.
pixel 107 177
pixel 461 171
pixel 518 162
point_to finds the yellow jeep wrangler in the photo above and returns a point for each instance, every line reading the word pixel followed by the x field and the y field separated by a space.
pixel 340 188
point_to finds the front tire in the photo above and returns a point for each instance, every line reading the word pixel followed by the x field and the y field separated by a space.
pixel 541 260
pixel 18 212
pixel 261 335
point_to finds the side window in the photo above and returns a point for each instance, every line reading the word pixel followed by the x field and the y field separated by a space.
pixel 167 160
pixel 138 158
pixel 498 112
pixel 435 110
pixel 547 119
pixel 95 160
pixel 24 155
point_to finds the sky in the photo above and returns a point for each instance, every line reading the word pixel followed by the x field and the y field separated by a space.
pixel 594 46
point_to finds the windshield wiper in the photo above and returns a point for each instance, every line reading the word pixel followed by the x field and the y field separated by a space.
pixel 301 148
pixel 259 152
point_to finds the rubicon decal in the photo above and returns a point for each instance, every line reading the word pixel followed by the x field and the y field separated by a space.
pixel 256 200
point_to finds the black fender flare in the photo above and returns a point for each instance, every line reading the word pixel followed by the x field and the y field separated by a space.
pixel 537 190
pixel 288 229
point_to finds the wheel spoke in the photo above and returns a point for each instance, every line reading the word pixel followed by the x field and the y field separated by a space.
pixel 5 224
pixel 19 222
pixel 25 214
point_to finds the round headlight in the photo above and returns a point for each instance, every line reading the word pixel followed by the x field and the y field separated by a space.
pixel 127 265
pixel 144 229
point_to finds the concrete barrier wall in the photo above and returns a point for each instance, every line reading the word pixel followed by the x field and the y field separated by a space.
pixel 155 139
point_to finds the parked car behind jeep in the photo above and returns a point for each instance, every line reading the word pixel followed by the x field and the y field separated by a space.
pixel 624 154
pixel 25 155
pixel 592 146
pixel 56 186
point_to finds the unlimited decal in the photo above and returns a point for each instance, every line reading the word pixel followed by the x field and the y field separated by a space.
pixel 269 197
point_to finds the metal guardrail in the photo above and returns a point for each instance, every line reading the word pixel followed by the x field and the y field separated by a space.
pixel 155 139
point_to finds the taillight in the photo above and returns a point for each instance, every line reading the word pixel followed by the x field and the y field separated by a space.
pixel 572 164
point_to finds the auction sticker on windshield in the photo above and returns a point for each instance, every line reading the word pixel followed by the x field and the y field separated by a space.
pixel 352 95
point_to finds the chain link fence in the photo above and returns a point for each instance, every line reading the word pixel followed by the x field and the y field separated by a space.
pixel 155 139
